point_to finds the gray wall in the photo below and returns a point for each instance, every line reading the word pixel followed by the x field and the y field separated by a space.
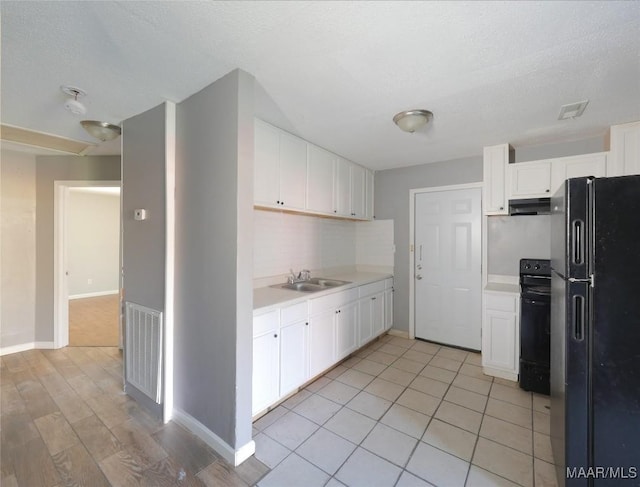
pixel 48 170
pixel 213 262
pixel 93 242
pixel 392 202
pixel 143 186
pixel 511 238
pixel 17 248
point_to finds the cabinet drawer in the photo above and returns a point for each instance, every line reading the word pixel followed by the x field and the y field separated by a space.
pixel 334 300
pixel 266 322
pixel 373 288
pixel 291 314
pixel 388 283
pixel 501 302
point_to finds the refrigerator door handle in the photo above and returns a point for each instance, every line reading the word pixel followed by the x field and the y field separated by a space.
pixel 578 317
pixel 577 242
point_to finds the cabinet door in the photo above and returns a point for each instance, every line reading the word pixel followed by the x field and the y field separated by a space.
pixel 266 166
pixel 625 150
pixel 576 167
pixel 294 356
pixel 321 342
pixel 388 309
pixel 266 373
pixel 358 191
pixel 343 187
pixel 494 169
pixel 366 320
pixel 499 340
pixel 377 313
pixel 369 185
pixel 293 171
pixel 320 180
pixel 346 330
pixel 530 179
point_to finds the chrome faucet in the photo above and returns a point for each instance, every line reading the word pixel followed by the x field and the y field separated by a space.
pixel 303 275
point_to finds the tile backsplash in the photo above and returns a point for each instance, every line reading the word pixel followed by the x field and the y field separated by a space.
pixel 284 241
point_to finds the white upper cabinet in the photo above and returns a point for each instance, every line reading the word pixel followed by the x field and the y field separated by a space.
pixel 342 205
pixel 369 185
pixel 320 180
pixel 293 171
pixel 292 174
pixel 358 191
pixel 576 167
pixel 624 155
pixel 495 160
pixel 266 190
pixel 280 168
pixel 529 179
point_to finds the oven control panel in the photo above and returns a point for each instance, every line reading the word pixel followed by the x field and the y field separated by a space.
pixel 535 267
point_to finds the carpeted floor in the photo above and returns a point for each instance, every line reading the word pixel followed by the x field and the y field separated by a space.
pixel 93 322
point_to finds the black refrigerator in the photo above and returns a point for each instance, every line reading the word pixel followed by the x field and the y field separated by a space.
pixel 595 331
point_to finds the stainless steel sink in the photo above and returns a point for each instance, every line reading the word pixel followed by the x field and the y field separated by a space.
pixel 327 282
pixel 312 285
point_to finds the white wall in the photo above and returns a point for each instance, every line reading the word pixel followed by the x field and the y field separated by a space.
pixel 284 241
pixel 17 248
pixel 375 247
pixel 93 242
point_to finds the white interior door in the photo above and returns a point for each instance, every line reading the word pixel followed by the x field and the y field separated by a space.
pixel 447 264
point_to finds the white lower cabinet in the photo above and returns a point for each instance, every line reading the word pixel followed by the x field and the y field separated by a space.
pixel 501 334
pixel 346 330
pixel 321 342
pixel 388 304
pixel 295 343
pixel 266 363
pixel 294 355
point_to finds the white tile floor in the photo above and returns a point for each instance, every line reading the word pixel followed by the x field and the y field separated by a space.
pixel 407 413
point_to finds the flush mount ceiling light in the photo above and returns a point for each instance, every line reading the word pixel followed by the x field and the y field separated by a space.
pixel 412 120
pixel 72 104
pixel 572 110
pixel 101 130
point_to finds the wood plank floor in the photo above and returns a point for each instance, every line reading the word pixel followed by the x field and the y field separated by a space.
pixel 93 322
pixel 66 422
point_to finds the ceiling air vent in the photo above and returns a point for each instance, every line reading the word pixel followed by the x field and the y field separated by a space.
pixel 572 110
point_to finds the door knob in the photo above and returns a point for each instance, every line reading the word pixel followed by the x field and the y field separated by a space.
pixel 418 277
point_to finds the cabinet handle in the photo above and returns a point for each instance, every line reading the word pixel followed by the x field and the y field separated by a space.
pixel 278 201
pixel 282 202
pixel 307 323
pixel 502 207
pixel 546 190
pixel 373 299
pixel 275 335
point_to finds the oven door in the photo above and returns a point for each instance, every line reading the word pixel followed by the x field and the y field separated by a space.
pixel 535 327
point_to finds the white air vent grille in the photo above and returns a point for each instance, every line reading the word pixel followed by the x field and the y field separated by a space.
pixel 143 350
pixel 573 110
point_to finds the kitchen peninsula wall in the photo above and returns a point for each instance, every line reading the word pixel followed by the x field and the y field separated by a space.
pixel 284 241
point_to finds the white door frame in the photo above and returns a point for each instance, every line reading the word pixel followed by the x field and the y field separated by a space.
pixel 412 222
pixel 60 281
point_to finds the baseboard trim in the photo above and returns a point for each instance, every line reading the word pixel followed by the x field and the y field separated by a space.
pixel 500 373
pixel 23 347
pixel 398 333
pixel 234 457
pixel 93 295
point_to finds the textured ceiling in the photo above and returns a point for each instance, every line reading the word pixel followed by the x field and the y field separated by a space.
pixel 335 73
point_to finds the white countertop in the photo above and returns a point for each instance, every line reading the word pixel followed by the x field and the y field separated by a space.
pixel 266 298
pixel 502 287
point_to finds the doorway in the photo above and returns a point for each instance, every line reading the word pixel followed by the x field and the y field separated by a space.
pixel 446 284
pixel 87 235
pixel 93 260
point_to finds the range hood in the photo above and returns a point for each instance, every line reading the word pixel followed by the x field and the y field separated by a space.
pixel 530 206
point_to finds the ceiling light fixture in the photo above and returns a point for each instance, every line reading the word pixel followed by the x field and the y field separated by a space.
pixel 72 104
pixel 572 110
pixel 412 120
pixel 101 130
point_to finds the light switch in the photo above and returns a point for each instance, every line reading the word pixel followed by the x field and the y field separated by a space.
pixel 140 214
